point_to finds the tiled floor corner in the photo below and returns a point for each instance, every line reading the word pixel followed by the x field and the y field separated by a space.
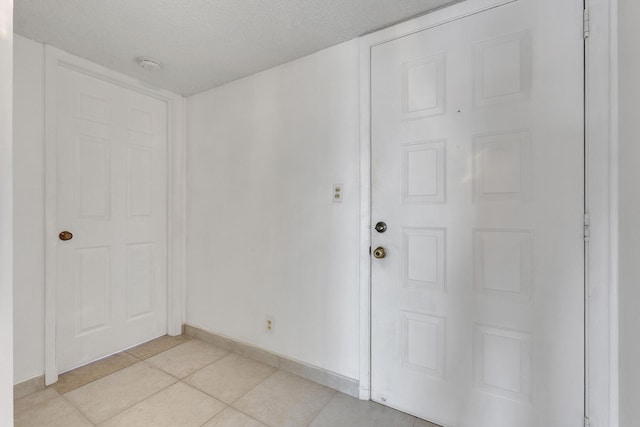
pixel 183 381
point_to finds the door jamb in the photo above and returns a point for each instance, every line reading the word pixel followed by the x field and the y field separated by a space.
pixel 601 146
pixel 176 188
pixel 601 149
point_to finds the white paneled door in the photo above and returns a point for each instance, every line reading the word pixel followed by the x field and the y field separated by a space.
pixel 477 171
pixel 112 198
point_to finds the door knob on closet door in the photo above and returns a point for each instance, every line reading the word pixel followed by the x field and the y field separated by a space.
pixel 65 235
pixel 380 252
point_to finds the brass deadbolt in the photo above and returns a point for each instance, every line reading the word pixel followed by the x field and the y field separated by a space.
pixel 380 252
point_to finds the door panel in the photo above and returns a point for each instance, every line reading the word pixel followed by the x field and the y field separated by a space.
pixel 112 195
pixel 477 169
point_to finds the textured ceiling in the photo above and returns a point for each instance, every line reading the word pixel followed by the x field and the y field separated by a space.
pixel 204 43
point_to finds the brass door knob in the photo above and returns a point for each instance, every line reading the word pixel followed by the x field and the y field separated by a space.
pixel 380 252
pixel 65 235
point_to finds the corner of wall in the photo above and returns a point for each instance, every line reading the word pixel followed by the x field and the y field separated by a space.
pixel 6 211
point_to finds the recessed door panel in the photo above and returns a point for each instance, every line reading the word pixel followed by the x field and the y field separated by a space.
pixel 423 87
pixel 503 264
pixel 423 257
pixel 423 172
pixel 503 69
pixel 503 365
pixel 93 178
pixel 502 166
pixel 423 343
pixel 140 185
pixel 93 289
pixel 140 279
pixel 93 107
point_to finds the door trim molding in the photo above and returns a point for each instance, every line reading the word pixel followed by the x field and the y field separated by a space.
pixel 176 188
pixel 601 185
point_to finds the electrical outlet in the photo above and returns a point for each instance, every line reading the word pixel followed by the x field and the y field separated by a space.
pixel 338 193
pixel 269 324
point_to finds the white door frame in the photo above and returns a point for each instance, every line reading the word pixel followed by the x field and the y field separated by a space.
pixel 600 186
pixel 176 111
pixel 6 212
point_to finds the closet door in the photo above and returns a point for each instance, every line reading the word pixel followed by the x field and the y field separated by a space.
pixel 112 201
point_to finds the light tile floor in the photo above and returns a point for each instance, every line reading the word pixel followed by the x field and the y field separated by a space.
pixel 179 381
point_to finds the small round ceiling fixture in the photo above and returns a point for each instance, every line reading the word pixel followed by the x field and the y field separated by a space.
pixel 149 64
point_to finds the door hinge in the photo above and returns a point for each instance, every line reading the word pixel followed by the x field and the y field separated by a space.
pixel 587 227
pixel 587 423
pixel 585 23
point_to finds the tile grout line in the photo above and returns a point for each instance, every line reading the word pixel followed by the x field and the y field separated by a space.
pixel 148 364
pixel 127 351
pixel 249 391
pixel 230 405
pixel 31 394
pixel 178 380
pixel 254 387
pixel 333 394
pixel 182 380
pixel 217 413
pixel 96 379
pixel 242 395
pixel 140 401
pixel 155 354
pixel 204 367
pixel 187 376
pixel 264 423
pixel 58 395
pixel 128 407
pixel 138 360
pixel 214 415
pixel 337 382
pixel 323 406
pixel 72 404
pixel 78 409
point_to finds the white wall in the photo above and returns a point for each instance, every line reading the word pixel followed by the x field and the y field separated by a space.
pixel 6 214
pixel 629 225
pixel 28 209
pixel 263 236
